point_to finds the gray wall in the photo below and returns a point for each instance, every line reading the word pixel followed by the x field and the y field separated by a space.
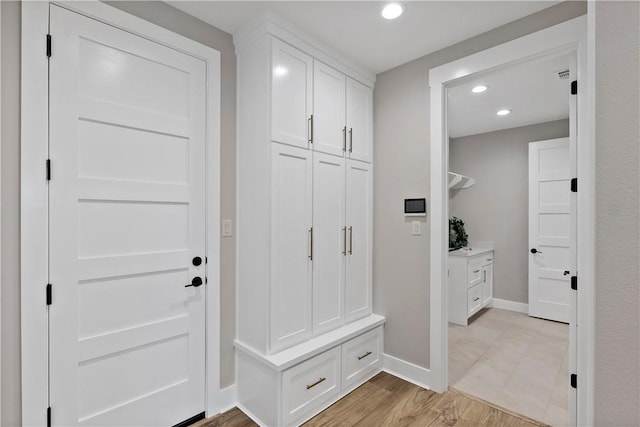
pixel 179 22
pixel 617 357
pixel 496 208
pixel 10 192
pixel 401 127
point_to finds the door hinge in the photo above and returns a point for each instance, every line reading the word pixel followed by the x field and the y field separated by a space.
pixel 49 416
pixel 574 283
pixel 48 169
pixel 48 45
pixel 49 293
pixel 574 185
pixel 574 381
pixel 574 87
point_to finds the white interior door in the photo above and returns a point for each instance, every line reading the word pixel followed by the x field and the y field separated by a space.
pixel 329 133
pixel 292 246
pixel 359 229
pixel 330 242
pixel 550 229
pixel 127 215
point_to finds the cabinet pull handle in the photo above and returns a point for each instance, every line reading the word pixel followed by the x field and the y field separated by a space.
pixel 310 120
pixel 344 139
pixel 476 299
pixel 489 259
pixel 351 140
pixel 311 244
pixel 344 252
pixel 350 240
pixel 364 355
pixel 316 383
pixel 476 271
pixel 484 276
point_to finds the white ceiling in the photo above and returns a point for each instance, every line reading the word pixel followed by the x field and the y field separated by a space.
pixel 531 90
pixel 356 30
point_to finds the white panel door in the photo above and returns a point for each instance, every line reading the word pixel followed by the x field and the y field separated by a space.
pixel 549 229
pixel 329 132
pixel 359 121
pixel 291 94
pixel 359 228
pixel 329 242
pixel 127 214
pixel 292 246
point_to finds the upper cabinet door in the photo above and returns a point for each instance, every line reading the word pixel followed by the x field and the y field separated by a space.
pixel 291 250
pixel 329 133
pixel 359 121
pixel 292 86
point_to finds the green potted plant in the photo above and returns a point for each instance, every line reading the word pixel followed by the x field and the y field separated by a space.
pixel 457 235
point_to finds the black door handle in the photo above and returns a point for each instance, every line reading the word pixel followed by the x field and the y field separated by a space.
pixel 197 281
pixel 196 261
pixel 535 251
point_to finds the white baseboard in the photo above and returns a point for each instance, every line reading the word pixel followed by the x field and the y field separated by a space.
pixel 504 304
pixel 407 371
pixel 227 399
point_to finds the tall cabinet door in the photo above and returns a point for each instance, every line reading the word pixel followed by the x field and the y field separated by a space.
pixel 291 256
pixel 329 133
pixel 329 242
pixel 291 97
pixel 359 121
pixel 359 231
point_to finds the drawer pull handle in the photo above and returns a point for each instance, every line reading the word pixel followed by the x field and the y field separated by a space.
pixel 316 383
pixel 364 355
pixel 476 299
pixel 476 271
pixel 489 259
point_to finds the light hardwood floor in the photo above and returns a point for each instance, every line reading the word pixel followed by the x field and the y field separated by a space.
pixel 386 400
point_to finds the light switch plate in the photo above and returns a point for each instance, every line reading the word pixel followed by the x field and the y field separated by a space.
pixel 416 228
pixel 226 228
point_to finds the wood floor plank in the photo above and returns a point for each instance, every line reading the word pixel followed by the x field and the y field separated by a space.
pixel 386 400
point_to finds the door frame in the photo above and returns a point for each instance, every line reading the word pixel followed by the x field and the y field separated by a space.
pixel 574 36
pixel 33 184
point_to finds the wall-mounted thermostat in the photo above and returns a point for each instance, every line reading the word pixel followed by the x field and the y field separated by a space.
pixel 415 207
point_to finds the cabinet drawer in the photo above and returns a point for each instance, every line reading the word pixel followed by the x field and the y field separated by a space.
pixel 474 299
pixel 309 385
pixel 474 273
pixel 487 259
pixel 361 356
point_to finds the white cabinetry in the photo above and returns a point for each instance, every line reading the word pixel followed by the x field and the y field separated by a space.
pixel 304 228
pixel 291 230
pixel 292 89
pixel 359 230
pixel 470 284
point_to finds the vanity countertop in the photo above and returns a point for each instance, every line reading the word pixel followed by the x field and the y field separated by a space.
pixel 470 251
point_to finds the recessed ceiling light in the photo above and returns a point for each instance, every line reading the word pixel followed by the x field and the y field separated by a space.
pixel 392 10
pixel 479 89
pixel 503 112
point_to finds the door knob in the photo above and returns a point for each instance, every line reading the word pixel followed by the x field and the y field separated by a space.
pixel 535 251
pixel 196 261
pixel 197 281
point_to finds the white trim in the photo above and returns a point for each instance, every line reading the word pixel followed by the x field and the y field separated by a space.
pixel 503 304
pixel 227 398
pixel 407 371
pixel 0 210
pixel 567 37
pixel 35 24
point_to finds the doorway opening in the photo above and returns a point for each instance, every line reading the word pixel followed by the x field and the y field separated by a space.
pixel 511 240
pixel 568 38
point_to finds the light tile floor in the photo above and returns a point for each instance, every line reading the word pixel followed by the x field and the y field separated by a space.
pixel 514 361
